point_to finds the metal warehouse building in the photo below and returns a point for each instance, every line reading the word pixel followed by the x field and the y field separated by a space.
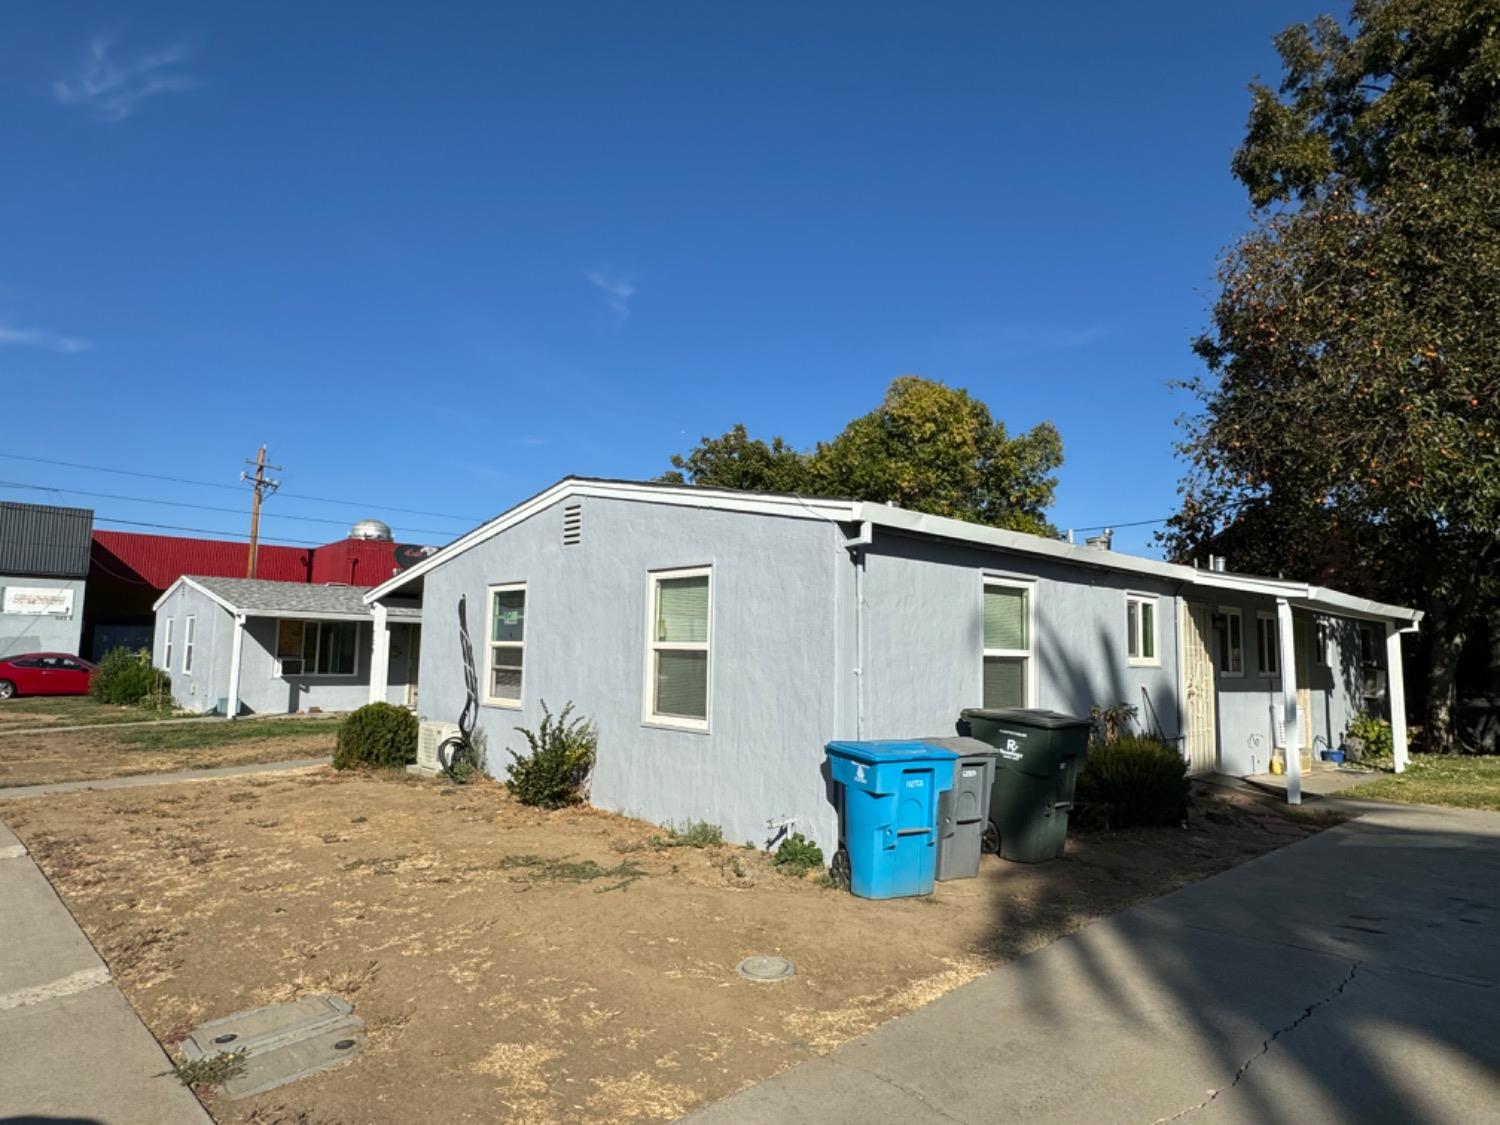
pixel 44 562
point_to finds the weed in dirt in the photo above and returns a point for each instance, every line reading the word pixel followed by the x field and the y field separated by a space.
pixel 212 1070
pixel 624 846
pixel 540 869
pixel 332 838
pixel 693 834
pixel 358 819
pixel 797 855
pixel 239 797
pixel 382 864
pixel 264 822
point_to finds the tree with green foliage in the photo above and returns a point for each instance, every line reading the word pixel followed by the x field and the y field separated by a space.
pixel 1351 406
pixel 927 446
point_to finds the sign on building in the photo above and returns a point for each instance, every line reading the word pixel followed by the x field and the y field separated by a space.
pixel 38 601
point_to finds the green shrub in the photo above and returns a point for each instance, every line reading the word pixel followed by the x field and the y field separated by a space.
pixel 1132 781
pixel 556 771
pixel 378 734
pixel 1369 736
pixel 797 855
pixel 127 677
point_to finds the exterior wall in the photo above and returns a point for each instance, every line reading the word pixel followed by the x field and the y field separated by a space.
pixel 201 689
pixel 263 692
pixel 1249 707
pixel 774 667
pixel 28 632
pixel 925 638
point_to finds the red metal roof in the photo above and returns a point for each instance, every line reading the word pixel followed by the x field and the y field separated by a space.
pixel 159 560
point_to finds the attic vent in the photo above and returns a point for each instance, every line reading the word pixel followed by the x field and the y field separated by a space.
pixel 572 525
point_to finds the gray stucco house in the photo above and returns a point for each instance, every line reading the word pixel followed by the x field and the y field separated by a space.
pixel 720 639
pixel 239 646
pixel 44 562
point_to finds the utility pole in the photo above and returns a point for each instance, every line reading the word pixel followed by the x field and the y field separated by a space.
pixel 260 486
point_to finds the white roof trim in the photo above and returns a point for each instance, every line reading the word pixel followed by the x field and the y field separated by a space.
pixel 186 581
pixel 905 520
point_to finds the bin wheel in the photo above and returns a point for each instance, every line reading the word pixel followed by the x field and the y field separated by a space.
pixel 989 842
pixel 838 870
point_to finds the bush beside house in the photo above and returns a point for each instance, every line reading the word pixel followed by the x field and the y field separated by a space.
pixel 1132 782
pixel 378 734
pixel 127 677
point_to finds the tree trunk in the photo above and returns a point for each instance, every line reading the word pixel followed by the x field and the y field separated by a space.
pixel 1492 679
pixel 1449 625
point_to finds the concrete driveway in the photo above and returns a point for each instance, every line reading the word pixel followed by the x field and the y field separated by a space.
pixel 1354 977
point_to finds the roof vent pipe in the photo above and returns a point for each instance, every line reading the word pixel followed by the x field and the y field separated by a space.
pixel 1102 540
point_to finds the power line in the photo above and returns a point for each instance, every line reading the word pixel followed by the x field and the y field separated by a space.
pixel 235 488
pixel 204 531
pixel 200 507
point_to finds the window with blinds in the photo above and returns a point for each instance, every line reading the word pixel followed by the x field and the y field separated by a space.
pixel 1007 645
pixel 506 645
pixel 317 648
pixel 677 648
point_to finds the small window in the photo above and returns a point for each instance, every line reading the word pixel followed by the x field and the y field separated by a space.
pixel 678 648
pixel 189 630
pixel 1007 644
pixel 1231 642
pixel 167 646
pixel 1267 646
pixel 507 644
pixel 1140 629
pixel 1371 650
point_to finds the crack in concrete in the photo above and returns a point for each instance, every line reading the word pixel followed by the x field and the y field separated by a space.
pixel 1265 1048
pixel 915 1095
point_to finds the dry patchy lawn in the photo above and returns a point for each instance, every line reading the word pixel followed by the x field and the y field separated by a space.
pixel 88 755
pixel 542 967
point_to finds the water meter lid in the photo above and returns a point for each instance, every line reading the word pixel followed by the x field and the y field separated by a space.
pixel 891 750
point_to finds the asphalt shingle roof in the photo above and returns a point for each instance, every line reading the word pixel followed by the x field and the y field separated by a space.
pixel 261 595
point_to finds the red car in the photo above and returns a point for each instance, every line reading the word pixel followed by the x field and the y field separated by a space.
pixel 44 673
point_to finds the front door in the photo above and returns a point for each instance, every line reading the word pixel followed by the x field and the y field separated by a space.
pixel 1200 727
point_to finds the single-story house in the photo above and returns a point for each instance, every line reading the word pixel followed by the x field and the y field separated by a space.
pixel 238 646
pixel 721 638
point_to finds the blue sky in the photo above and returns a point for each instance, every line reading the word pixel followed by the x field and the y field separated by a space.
pixel 438 256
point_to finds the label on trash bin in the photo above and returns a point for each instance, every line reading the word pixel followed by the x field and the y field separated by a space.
pixel 915 783
pixel 969 773
pixel 859 772
pixel 1010 751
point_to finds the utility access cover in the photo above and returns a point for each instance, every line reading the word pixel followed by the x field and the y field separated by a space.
pixel 281 1042
pixel 764 968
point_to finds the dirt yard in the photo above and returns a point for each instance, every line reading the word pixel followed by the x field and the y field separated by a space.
pixel 541 967
pixel 104 751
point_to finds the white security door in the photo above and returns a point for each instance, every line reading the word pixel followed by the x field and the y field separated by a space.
pixel 1198 689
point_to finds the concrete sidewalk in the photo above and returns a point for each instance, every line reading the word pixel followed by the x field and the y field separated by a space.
pixel 70 1046
pixel 136 780
pixel 1353 977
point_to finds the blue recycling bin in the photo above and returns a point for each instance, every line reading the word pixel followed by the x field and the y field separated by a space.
pixel 889 814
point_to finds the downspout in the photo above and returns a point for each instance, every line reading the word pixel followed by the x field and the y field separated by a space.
pixel 856 545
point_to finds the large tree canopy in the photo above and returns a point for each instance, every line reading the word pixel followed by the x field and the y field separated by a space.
pixel 927 446
pixel 1352 402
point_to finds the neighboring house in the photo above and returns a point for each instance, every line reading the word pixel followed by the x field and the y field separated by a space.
pixel 239 646
pixel 44 561
pixel 720 639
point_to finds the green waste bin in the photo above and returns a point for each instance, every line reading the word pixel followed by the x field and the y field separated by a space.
pixel 1039 754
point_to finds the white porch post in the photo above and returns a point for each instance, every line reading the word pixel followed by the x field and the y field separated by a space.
pixel 1291 721
pixel 236 649
pixel 380 655
pixel 1396 692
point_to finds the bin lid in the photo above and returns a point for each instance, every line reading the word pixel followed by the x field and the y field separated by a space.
pixel 963 747
pixel 1026 716
pixel 890 750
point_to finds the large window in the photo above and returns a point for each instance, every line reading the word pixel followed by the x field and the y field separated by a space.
pixel 507 644
pixel 166 661
pixel 678 648
pixel 1007 644
pixel 1140 629
pixel 189 631
pixel 1267 645
pixel 1231 642
pixel 317 648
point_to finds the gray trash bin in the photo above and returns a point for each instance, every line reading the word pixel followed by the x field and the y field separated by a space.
pixel 963 811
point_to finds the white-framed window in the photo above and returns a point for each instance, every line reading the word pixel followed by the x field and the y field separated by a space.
pixel 189 631
pixel 1231 642
pixel 506 645
pixel 679 648
pixel 166 661
pixel 1322 643
pixel 1267 645
pixel 1008 627
pixel 1371 646
pixel 317 648
pixel 1141 630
